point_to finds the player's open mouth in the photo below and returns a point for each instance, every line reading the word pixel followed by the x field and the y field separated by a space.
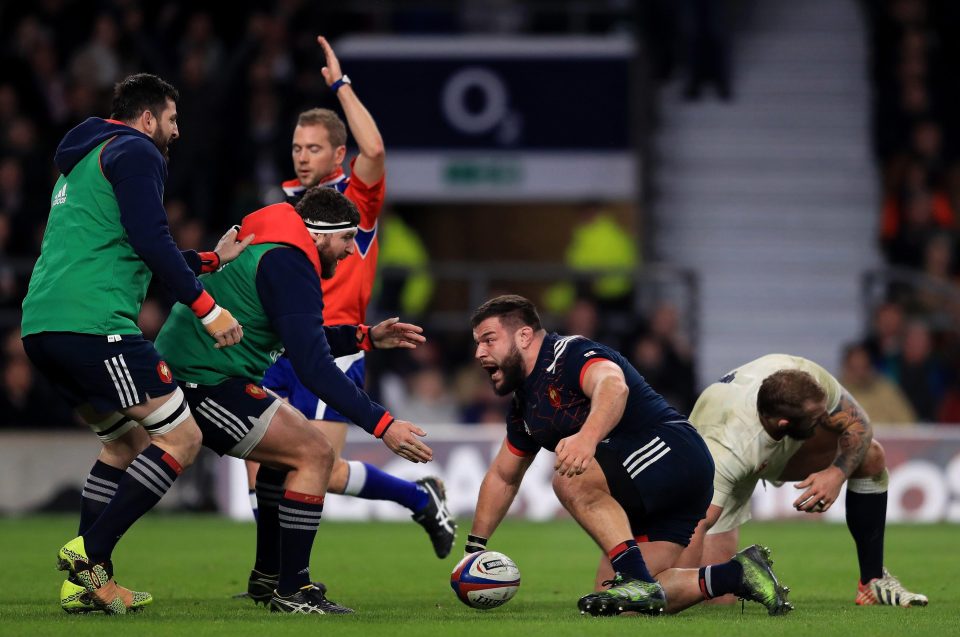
pixel 493 370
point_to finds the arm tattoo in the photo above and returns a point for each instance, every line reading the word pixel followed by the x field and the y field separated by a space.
pixel 856 434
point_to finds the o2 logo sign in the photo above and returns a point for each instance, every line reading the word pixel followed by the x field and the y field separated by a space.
pixel 459 105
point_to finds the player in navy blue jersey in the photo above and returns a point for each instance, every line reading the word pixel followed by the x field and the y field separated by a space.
pixel 629 468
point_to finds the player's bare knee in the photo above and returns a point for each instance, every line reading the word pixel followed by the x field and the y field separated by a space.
pixel 121 451
pixel 874 463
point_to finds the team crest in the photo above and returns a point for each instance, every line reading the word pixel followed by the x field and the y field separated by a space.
pixel 255 391
pixel 163 371
pixel 553 395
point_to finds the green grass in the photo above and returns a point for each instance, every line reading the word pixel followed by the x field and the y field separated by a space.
pixel 389 575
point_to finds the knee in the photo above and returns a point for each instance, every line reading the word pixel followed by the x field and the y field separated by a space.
pixel 187 439
pixel 874 462
pixel 566 490
pixel 318 451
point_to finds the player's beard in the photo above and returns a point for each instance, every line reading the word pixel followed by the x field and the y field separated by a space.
pixel 162 143
pixel 801 431
pixel 511 370
pixel 328 266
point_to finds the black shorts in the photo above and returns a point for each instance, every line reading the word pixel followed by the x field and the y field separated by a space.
pixel 109 372
pixel 662 477
pixel 233 415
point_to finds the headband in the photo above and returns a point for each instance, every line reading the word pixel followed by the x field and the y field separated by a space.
pixel 328 227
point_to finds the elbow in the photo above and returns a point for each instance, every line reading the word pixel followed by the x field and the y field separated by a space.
pixel 376 152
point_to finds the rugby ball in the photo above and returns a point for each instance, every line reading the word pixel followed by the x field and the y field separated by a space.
pixel 485 580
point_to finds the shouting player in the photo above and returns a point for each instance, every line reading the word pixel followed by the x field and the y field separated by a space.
pixel 629 468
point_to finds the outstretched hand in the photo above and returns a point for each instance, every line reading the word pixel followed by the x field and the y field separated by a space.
pixel 402 438
pixel 331 72
pixel 228 248
pixel 392 333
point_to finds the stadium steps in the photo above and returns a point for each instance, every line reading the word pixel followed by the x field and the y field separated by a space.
pixel 772 198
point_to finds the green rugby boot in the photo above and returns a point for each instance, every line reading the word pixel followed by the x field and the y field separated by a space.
pixel 96 578
pixel 74 598
pixel 760 583
pixel 624 595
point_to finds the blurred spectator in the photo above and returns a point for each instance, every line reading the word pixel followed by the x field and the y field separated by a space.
pixel 401 247
pixel 882 399
pixel 26 401
pixel 886 339
pixel 598 242
pixel 97 64
pixel 921 375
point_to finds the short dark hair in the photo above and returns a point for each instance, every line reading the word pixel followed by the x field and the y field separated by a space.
pixel 513 310
pixel 784 394
pixel 141 92
pixel 322 203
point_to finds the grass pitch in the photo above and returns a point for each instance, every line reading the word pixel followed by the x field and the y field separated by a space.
pixel 388 573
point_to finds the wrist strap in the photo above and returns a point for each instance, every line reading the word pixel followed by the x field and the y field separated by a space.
pixel 364 340
pixel 209 261
pixel 212 315
pixel 336 86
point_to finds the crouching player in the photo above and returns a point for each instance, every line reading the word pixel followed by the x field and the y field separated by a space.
pixel 784 418
pixel 629 468
pixel 274 286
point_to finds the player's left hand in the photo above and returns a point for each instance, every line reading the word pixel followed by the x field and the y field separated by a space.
pixel 228 248
pixel 392 333
pixel 822 490
pixel 574 454
pixel 331 72
pixel 403 439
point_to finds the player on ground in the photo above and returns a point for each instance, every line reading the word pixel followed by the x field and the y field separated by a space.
pixel 319 148
pixel 784 418
pixel 648 488
pixel 106 235
pixel 274 288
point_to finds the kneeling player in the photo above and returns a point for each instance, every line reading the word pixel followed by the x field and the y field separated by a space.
pixel 784 418
pixel 275 288
pixel 651 482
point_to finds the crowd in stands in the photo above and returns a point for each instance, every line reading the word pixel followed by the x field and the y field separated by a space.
pixel 913 345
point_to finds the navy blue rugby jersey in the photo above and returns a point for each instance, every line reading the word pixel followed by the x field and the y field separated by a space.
pixel 551 404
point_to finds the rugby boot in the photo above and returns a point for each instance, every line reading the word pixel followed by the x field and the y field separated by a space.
pixel 96 578
pixel 624 595
pixel 760 584
pixel 435 518
pixel 887 591
pixel 309 600
pixel 74 598
pixel 260 587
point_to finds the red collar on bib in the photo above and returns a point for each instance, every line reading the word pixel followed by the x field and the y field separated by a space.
pixel 280 223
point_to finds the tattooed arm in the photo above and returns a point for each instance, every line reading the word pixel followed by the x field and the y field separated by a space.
pixel 850 422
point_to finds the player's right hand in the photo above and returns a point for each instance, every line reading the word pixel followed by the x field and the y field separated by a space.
pixel 221 325
pixel 402 438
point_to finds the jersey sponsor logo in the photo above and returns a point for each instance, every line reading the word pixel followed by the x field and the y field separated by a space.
pixel 728 378
pixel 553 395
pixel 255 391
pixel 60 197
pixel 590 353
pixel 526 428
pixel 163 371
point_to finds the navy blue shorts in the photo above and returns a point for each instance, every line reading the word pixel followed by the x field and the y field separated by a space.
pixel 662 477
pixel 281 378
pixel 233 415
pixel 109 372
